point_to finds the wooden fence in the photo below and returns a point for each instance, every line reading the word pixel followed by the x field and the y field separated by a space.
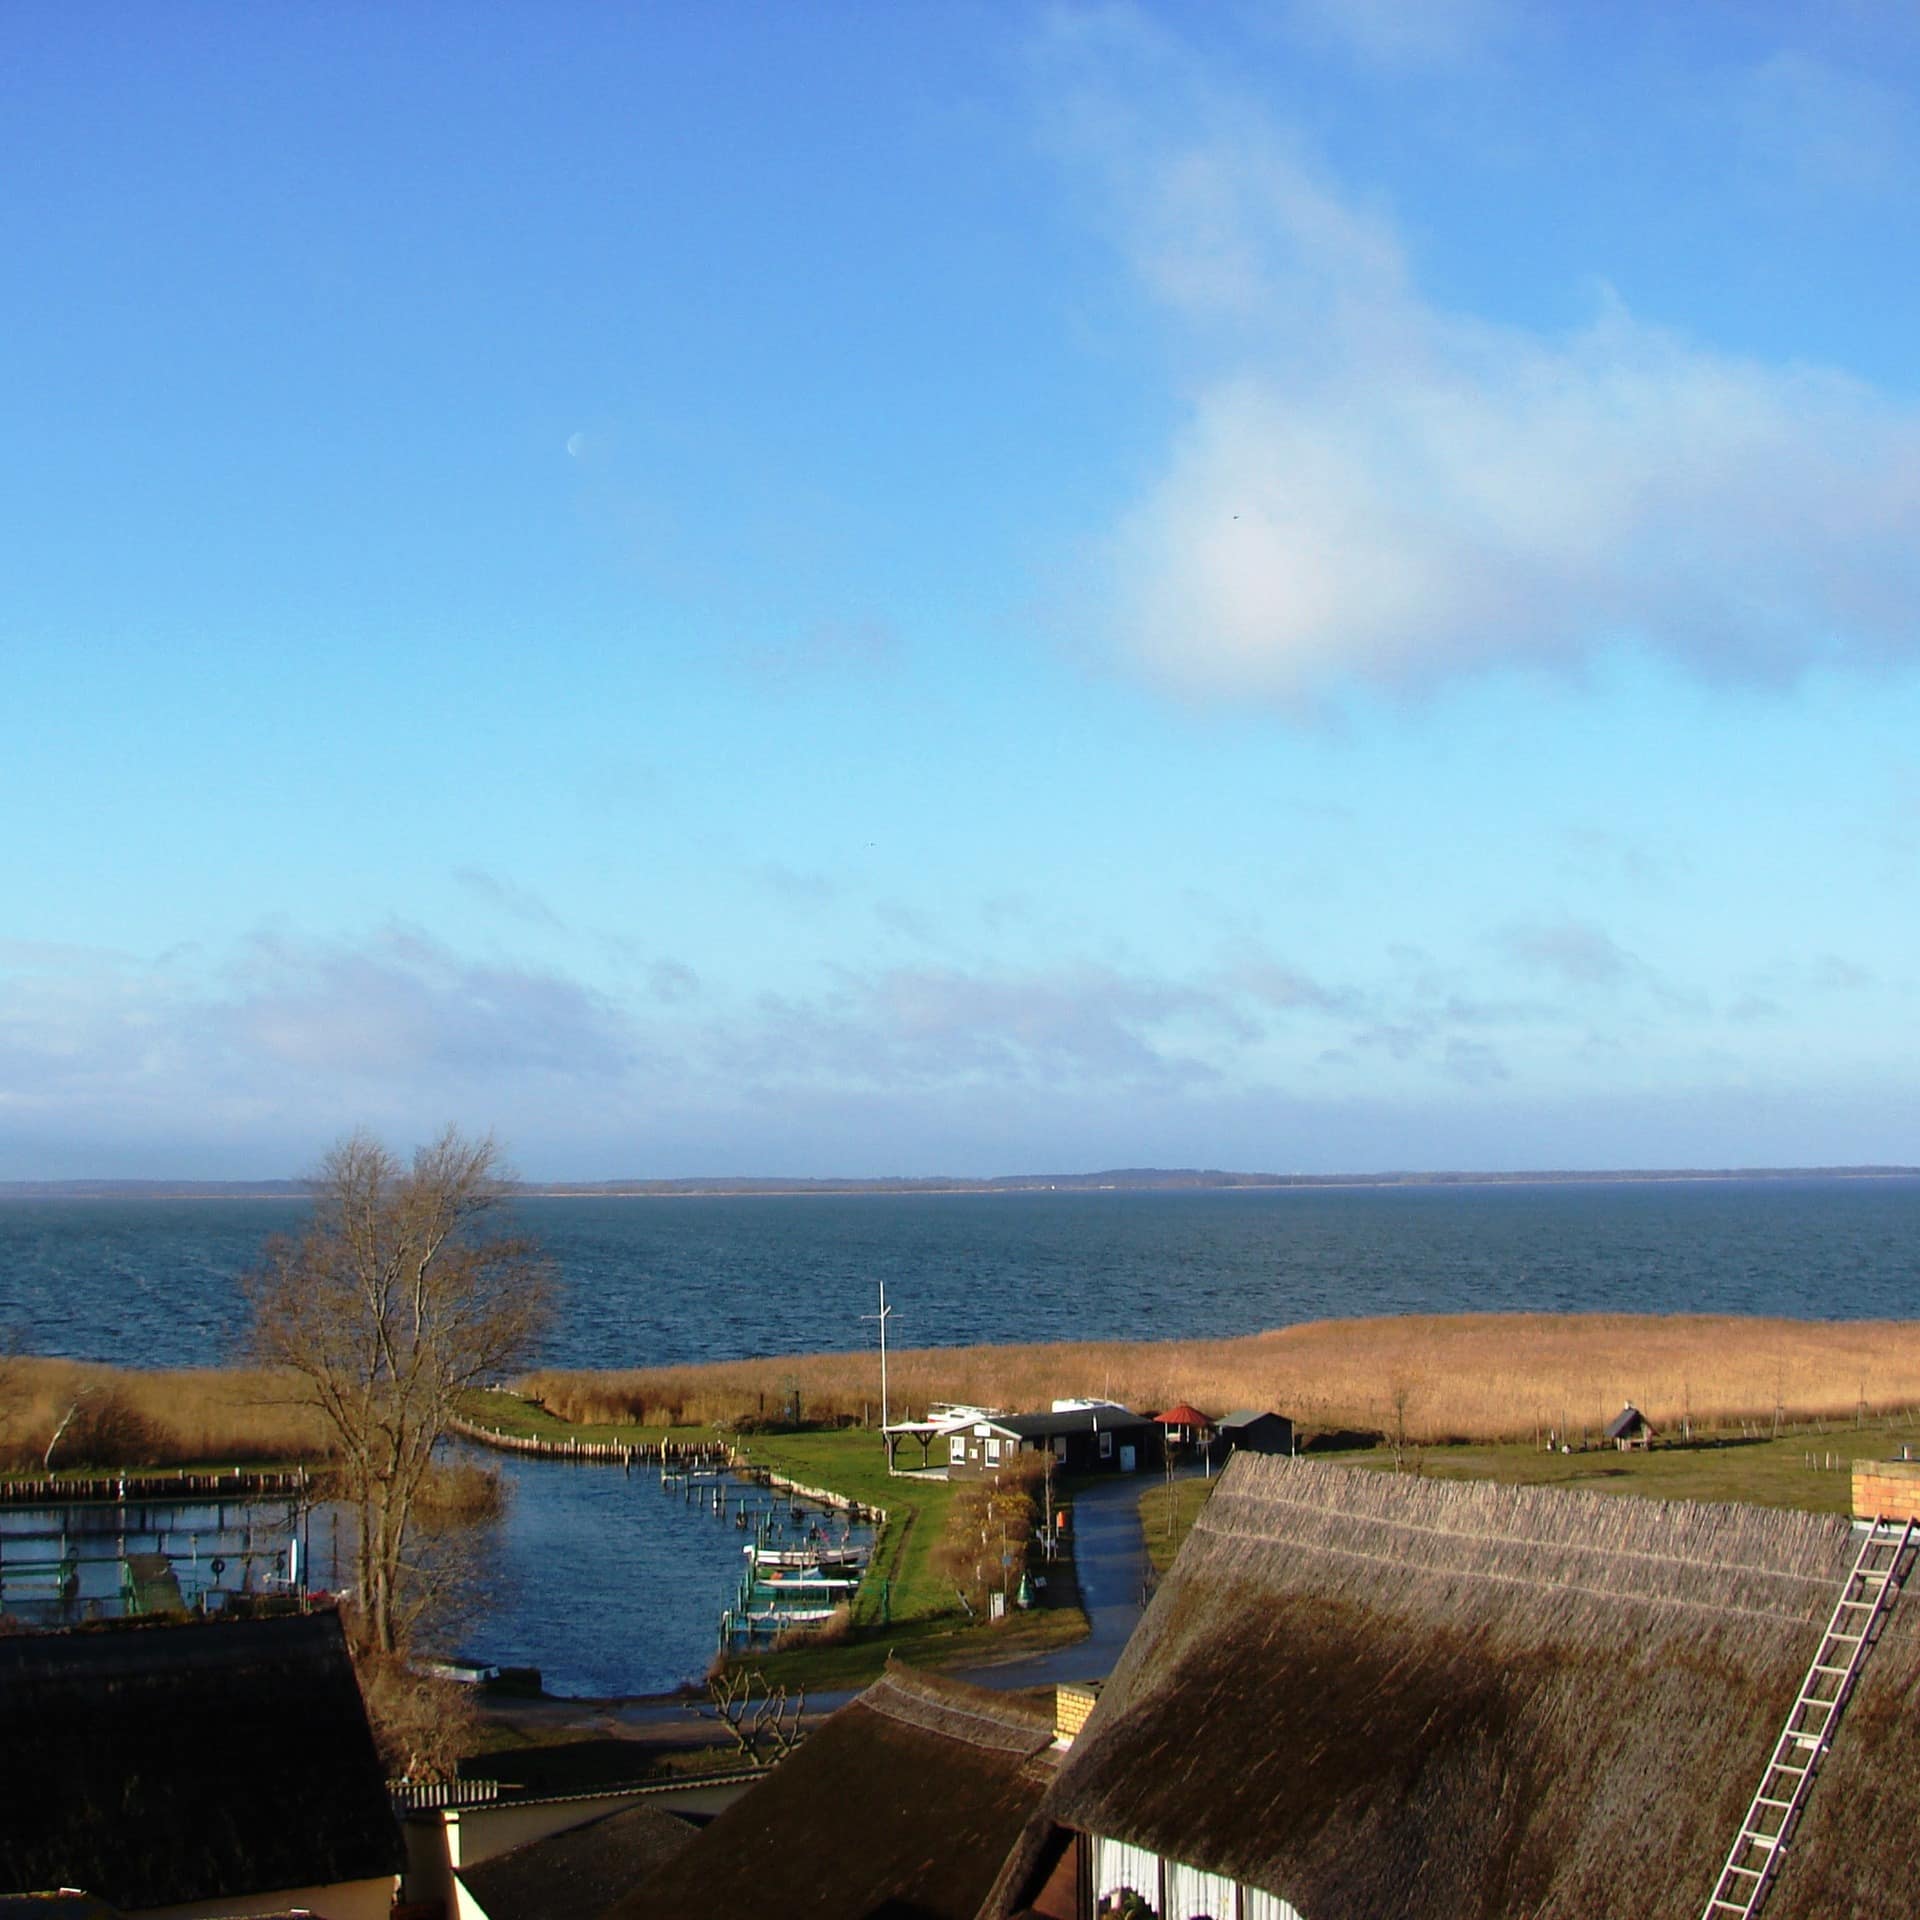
pixel 113 1488
pixel 677 1455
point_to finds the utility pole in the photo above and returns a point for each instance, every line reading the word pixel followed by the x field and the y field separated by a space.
pixel 881 1316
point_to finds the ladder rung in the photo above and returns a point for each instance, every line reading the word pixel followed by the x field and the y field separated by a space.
pixel 1870 1589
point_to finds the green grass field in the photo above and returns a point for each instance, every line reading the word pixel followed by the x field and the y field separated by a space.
pixel 1809 1468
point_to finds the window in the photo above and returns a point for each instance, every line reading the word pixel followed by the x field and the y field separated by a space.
pixel 993 1453
pixel 1133 1883
pixel 1106 1446
pixel 956 1449
pixel 1126 1881
pixel 1193 1895
pixel 1059 1446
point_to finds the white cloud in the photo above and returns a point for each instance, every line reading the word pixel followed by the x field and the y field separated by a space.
pixel 1368 488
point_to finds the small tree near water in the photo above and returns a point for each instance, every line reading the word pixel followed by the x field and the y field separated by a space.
pixel 404 1291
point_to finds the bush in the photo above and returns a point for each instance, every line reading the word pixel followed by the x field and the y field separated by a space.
pixel 990 1527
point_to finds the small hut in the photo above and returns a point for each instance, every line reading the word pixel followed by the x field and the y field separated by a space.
pixel 1630 1430
pixel 1185 1426
pixel 1249 1431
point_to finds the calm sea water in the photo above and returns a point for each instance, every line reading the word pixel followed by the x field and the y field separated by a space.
pixel 610 1588
pixel 647 1282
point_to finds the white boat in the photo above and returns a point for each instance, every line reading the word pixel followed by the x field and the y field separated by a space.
pixel 810 1559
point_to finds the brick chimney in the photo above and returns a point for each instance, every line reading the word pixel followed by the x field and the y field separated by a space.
pixel 1071 1705
pixel 1886 1489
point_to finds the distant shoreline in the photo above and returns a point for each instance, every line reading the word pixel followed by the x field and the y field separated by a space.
pixel 1129 1180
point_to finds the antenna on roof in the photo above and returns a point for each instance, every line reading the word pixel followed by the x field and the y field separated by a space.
pixel 881 1316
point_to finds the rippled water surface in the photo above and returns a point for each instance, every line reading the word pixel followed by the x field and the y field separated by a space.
pixel 654 1281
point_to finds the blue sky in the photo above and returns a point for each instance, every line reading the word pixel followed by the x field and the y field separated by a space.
pixel 959 588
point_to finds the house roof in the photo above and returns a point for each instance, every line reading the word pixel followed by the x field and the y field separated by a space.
pixel 1245 1417
pixel 581 1871
pixel 1628 1420
pixel 1372 1693
pixel 902 1803
pixel 62 1904
pixel 1043 1426
pixel 1183 1416
pixel 159 1765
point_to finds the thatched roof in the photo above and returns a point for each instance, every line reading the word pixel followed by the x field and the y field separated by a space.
pixel 1371 1694
pixel 902 1804
pixel 159 1765
pixel 579 1872
pixel 55 1906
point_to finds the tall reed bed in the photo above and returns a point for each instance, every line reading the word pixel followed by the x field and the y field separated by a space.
pixel 1429 1377
pixel 119 1417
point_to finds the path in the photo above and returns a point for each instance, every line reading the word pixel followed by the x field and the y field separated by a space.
pixel 1110 1558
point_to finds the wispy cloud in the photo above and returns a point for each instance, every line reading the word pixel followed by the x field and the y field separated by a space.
pixel 1398 36
pixel 297 1038
pixel 829 650
pixel 1574 952
pixel 507 897
pixel 1808 123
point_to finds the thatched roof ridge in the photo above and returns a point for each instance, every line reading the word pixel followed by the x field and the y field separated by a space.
pixel 1375 1693
pixel 902 1803
pixel 999 1722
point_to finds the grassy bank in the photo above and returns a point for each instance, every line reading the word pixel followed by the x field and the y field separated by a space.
pixel 1479 1377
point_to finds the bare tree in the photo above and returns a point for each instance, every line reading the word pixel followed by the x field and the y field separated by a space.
pixel 768 1726
pixel 1401 1394
pixel 403 1292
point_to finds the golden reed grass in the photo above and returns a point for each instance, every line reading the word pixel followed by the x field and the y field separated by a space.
pixel 124 1417
pixel 1436 1377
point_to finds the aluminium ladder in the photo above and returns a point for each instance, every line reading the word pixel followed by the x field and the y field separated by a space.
pixel 1869 1591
